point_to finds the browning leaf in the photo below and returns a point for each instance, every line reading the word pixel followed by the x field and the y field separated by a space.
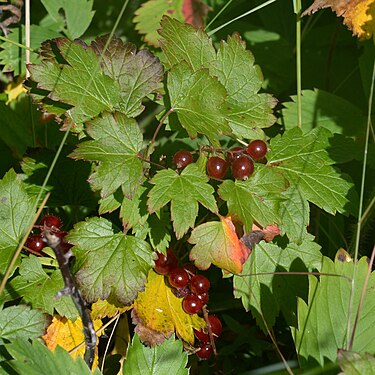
pixel 194 12
pixel 359 15
pixel 158 313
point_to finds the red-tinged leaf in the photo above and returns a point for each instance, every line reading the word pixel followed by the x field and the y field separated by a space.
pixel 358 14
pixel 194 12
pixel 139 73
pixel 269 232
pixel 216 242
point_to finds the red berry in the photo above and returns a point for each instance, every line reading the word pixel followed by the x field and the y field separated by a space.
pixel 257 149
pixel 178 278
pixel 216 167
pixel 51 221
pixel 165 263
pixel 234 153
pixel 35 243
pixel 242 168
pixel 202 336
pixel 203 297
pixel 204 351
pixel 192 304
pixel 182 159
pixel 199 284
pixel 216 326
pixel 161 264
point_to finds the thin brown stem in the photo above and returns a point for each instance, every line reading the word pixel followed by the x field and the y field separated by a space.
pixel 160 125
pixel 151 162
pixel 209 329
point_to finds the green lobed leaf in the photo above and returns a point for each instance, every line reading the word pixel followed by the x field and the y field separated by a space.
pixel 184 191
pixel 182 42
pixel 13 57
pixel 266 295
pixel 115 145
pixel 78 82
pixel 138 73
pixel 189 52
pixel 322 321
pixel 323 109
pixel 110 264
pixel 134 211
pixel 39 289
pixel 159 230
pixel 235 69
pixel 148 15
pixel 36 359
pixel 21 322
pixel 16 214
pixel 294 214
pixel 197 98
pixel 305 162
pixel 256 199
pixel 77 15
pixel 167 358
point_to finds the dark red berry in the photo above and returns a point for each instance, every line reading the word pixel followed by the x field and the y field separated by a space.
pixel 202 336
pixel 257 149
pixel 35 243
pixel 178 278
pixel 161 264
pixel 204 351
pixel 182 159
pixel 51 221
pixel 192 304
pixel 203 297
pixel 199 284
pixel 190 269
pixel 242 168
pixel 216 326
pixel 216 167
pixel 165 263
pixel 234 153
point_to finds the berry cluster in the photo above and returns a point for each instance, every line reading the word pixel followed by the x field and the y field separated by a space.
pixel 193 288
pixel 36 242
pixel 205 348
pixel 240 160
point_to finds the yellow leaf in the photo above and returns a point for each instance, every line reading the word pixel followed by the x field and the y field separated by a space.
pixel 362 19
pixel 14 89
pixel 359 15
pixel 68 335
pixel 107 309
pixel 159 313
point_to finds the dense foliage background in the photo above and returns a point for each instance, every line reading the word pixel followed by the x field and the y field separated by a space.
pixel 114 90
